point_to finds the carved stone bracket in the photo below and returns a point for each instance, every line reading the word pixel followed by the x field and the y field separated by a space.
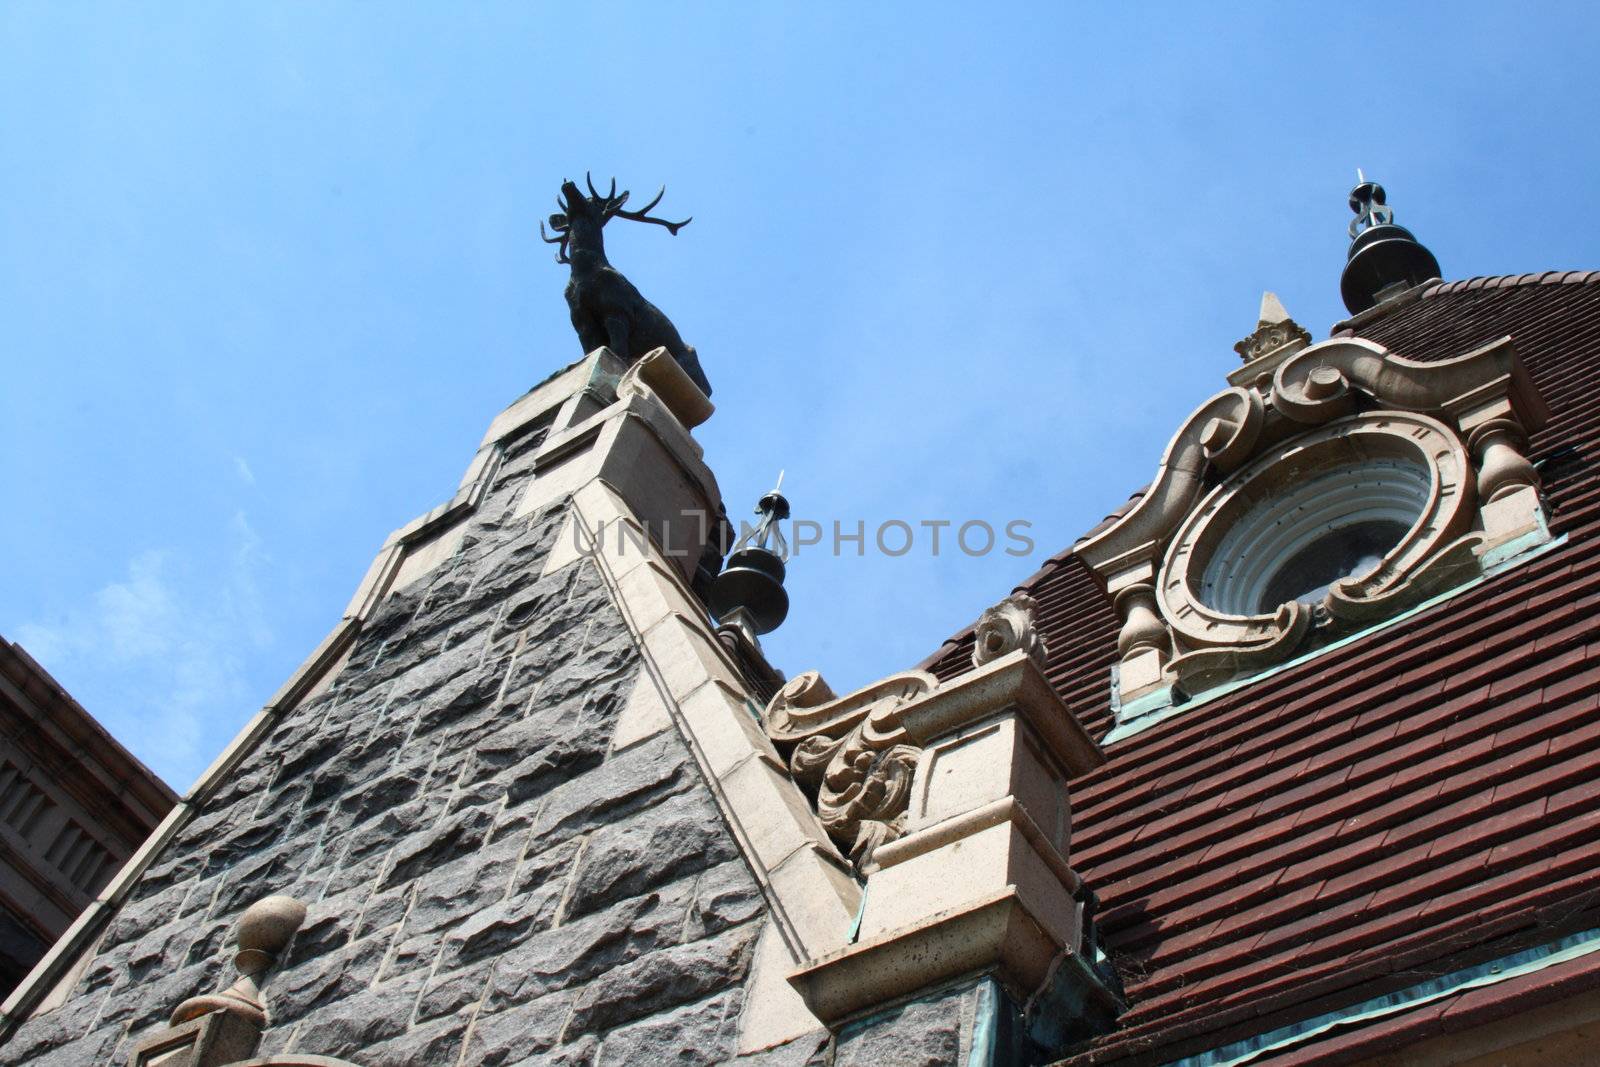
pixel 1276 337
pixel 1465 420
pixel 853 751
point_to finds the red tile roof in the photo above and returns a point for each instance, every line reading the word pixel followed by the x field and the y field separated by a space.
pixel 1419 800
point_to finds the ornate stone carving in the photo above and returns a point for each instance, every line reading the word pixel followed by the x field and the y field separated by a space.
pixel 1246 443
pixel 1275 335
pixel 853 751
pixel 1005 628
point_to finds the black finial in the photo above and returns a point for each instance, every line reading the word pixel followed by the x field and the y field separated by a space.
pixel 749 593
pixel 1383 256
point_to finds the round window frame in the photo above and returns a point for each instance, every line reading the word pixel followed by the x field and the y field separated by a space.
pixel 1446 513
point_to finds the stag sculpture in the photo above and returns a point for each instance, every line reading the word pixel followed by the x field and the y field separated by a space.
pixel 606 308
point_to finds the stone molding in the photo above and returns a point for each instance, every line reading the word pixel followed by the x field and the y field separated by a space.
pixel 657 374
pixel 1480 405
pixel 998 933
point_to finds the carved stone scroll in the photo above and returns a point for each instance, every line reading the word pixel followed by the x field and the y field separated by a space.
pixel 1007 627
pixel 853 751
pixel 1467 418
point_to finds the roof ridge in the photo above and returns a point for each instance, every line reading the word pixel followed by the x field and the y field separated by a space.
pixel 1437 287
pixel 1508 281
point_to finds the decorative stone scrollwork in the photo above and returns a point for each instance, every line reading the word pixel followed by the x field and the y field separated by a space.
pixel 1005 628
pixel 1275 335
pixel 853 752
pixel 1424 457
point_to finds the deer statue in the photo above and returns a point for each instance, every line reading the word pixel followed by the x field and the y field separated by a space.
pixel 606 308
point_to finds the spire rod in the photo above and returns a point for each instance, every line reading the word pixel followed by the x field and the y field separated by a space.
pixel 1384 259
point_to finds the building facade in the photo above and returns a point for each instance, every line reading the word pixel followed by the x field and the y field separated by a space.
pixel 74 805
pixel 1291 760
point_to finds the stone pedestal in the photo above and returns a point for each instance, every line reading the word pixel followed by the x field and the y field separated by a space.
pixel 979 882
pixel 213 1040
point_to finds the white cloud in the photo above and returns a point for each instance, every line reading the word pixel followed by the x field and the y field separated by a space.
pixel 246 475
pixel 158 655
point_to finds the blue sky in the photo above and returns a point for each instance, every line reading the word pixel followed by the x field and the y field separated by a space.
pixel 267 271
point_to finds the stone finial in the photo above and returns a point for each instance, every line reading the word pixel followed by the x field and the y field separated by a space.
pixel 264 932
pixel 1005 628
pixel 1276 334
pixel 224 1028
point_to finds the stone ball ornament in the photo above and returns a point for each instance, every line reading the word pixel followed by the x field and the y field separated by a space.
pixel 265 929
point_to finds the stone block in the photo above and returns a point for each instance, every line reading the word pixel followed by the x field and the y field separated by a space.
pixel 300 988
pixel 725 728
pixel 649 594
pixel 986 762
pixel 351 1025
pixel 725 895
pixel 643 715
pixel 575 952
pixel 811 1050
pixel 968 868
pixel 601 667
pixel 688 656
pixel 775 816
pixel 459 835
pixel 696 1033
pixel 438 1043
pixel 495 930
pixel 213 1040
pixel 628 781
pixel 567 747
pixel 54 1029
pixel 820 898
pixel 549 871
pixel 662 980
pixel 422 557
pixel 571 545
pixel 520 1033
pixel 774 1013
pixel 677 837
pixel 449 992
pixel 381 910
pixel 922 1033
pixel 452 892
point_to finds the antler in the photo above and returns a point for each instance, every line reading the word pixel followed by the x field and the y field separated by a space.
pixel 560 239
pixel 643 214
pixel 610 197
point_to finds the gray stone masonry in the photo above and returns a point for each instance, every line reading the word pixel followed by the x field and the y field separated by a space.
pixel 488 881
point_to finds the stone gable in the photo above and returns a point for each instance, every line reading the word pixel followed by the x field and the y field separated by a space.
pixel 490 878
